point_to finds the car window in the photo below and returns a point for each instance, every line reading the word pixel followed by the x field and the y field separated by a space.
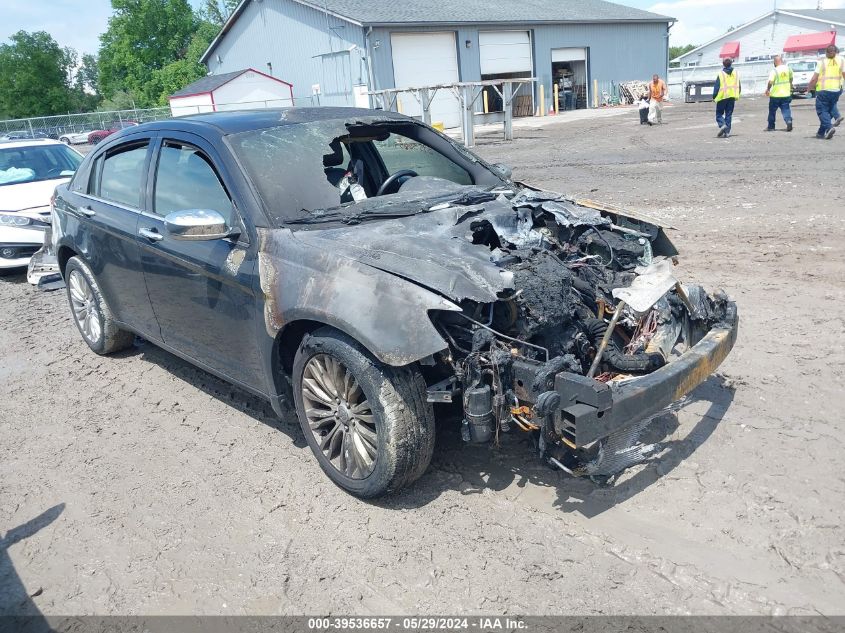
pixel 93 176
pixel 31 164
pixel 186 179
pixel 121 175
pixel 400 152
pixel 304 168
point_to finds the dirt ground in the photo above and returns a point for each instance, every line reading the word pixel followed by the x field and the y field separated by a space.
pixel 137 484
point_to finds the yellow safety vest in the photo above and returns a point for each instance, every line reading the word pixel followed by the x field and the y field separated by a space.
pixel 782 84
pixel 830 77
pixel 728 86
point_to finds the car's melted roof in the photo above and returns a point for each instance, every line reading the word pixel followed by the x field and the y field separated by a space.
pixel 243 120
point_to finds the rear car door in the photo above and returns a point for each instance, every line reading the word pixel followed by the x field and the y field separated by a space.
pixel 201 291
pixel 105 207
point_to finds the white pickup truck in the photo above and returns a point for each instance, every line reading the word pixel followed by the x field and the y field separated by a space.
pixel 802 70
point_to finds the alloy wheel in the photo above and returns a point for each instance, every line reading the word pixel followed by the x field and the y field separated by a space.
pixel 339 416
pixel 85 308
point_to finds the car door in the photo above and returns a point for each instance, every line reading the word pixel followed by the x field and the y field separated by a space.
pixel 201 291
pixel 107 206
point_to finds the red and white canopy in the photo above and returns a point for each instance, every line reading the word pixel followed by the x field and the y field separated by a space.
pixel 730 49
pixel 809 42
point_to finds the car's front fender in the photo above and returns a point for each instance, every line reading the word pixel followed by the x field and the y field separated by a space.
pixel 385 313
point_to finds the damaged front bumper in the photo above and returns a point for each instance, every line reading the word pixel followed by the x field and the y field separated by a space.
pixel 590 410
pixel 42 264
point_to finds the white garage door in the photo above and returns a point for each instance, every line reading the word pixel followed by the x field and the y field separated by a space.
pixel 504 52
pixel 426 59
pixel 569 54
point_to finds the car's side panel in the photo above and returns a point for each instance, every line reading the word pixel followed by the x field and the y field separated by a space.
pixel 202 292
pixel 104 234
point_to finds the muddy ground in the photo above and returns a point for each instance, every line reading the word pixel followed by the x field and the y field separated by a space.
pixel 137 484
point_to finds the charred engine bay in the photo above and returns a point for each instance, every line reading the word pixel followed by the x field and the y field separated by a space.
pixel 592 294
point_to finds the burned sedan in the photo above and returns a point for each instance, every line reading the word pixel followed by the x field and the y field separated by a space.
pixel 364 267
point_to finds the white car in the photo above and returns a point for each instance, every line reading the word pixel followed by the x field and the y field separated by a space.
pixel 75 138
pixel 30 170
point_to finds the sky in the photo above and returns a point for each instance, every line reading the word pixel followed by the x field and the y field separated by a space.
pixel 78 23
pixel 700 21
pixel 74 23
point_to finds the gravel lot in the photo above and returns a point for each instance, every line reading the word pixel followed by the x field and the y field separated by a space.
pixel 168 491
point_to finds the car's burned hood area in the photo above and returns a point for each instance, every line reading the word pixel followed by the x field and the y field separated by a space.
pixel 539 273
pixel 431 249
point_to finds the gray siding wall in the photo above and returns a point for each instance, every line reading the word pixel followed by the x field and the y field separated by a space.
pixel 617 51
pixel 289 35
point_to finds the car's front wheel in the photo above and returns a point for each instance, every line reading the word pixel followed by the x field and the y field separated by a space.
pixel 368 424
pixel 65 140
pixel 90 311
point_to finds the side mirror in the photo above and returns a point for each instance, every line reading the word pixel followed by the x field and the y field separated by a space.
pixel 503 170
pixel 197 224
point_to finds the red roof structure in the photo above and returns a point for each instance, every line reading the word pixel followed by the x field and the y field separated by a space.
pixel 730 49
pixel 809 42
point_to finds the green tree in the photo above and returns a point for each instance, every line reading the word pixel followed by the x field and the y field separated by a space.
pixel 35 75
pixel 87 75
pixel 178 74
pixel 677 51
pixel 143 37
pixel 217 11
pixel 120 100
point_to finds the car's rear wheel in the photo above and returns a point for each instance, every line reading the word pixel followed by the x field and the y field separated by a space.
pixel 65 140
pixel 90 311
pixel 368 423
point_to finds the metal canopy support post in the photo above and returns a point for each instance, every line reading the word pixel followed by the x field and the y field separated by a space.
pixel 426 105
pixel 469 122
pixel 467 93
pixel 507 100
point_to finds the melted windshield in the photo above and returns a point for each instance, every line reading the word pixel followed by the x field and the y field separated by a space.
pixel 302 170
pixel 34 163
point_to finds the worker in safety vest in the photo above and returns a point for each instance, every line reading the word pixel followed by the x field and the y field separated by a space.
pixel 828 82
pixel 779 92
pixel 726 93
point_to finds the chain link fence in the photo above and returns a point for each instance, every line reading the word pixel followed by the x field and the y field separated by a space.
pixel 59 125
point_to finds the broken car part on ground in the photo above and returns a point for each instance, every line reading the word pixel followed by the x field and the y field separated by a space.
pixel 387 269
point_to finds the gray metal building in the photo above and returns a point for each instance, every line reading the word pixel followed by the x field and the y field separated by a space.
pixel 334 51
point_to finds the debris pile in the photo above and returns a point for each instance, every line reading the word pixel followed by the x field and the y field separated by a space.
pixel 632 91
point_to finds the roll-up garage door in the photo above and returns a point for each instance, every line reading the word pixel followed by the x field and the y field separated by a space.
pixel 504 52
pixel 426 59
pixel 569 54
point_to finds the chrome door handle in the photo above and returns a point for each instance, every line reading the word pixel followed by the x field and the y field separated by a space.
pixel 87 212
pixel 151 234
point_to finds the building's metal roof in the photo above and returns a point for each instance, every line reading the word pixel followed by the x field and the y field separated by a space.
pixel 207 84
pixel 482 11
pixel 831 15
pixel 210 83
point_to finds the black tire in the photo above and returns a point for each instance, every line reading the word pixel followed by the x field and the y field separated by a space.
pixel 65 140
pixel 111 338
pixel 404 420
